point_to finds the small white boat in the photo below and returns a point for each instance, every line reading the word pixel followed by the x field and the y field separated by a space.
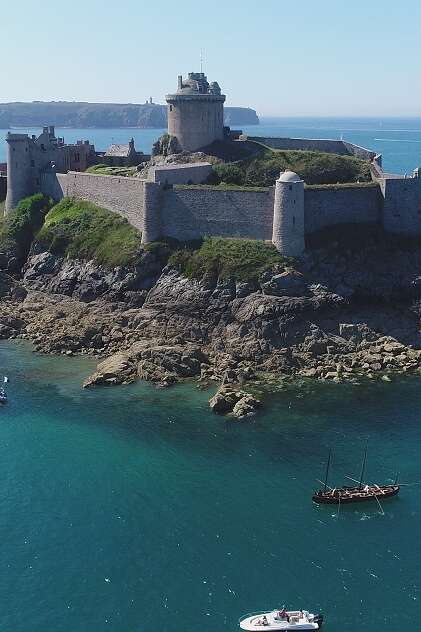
pixel 3 396
pixel 282 620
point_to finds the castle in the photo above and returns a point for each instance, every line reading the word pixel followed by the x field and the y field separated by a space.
pixel 161 205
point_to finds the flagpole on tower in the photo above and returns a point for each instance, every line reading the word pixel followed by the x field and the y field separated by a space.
pixel 201 60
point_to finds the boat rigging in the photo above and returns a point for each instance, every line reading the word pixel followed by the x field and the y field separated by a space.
pixel 347 494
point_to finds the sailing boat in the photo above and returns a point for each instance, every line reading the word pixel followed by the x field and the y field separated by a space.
pixel 346 494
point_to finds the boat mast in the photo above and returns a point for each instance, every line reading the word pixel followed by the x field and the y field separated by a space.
pixel 363 468
pixel 327 468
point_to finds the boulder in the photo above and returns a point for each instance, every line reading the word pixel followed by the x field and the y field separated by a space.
pixel 228 399
pixel 167 363
pixel 288 283
pixel 245 406
pixel 116 369
pixel 223 401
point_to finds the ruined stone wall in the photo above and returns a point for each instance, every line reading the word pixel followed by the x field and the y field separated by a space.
pixel 402 205
pixel 191 213
pixel 341 204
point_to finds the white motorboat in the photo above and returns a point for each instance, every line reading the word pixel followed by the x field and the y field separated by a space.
pixel 288 620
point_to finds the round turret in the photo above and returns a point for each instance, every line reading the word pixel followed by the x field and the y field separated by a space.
pixel 288 214
pixel 196 113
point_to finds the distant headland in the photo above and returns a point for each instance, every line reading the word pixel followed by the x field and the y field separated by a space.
pixel 104 115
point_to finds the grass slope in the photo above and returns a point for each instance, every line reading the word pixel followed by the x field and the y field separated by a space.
pixel 312 166
pixel 240 259
pixel 82 230
pixel 105 170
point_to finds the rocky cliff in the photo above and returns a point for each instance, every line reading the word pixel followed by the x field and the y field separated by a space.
pixel 337 315
pixel 105 115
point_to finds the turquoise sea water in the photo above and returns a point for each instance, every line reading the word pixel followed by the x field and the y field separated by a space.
pixel 135 508
pixel 397 139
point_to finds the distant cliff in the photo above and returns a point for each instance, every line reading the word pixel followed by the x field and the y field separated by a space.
pixel 72 114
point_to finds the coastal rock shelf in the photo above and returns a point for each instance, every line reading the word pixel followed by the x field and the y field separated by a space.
pixel 336 316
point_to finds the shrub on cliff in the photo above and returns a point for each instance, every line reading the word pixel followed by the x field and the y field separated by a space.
pixel 228 173
pixel 81 230
pixel 239 259
pixel 19 227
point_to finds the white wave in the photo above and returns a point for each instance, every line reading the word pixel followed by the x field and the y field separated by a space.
pixel 397 140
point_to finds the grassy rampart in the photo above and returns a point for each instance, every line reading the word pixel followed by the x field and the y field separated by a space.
pixel 82 230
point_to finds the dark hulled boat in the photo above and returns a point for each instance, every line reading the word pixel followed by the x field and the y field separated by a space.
pixel 356 494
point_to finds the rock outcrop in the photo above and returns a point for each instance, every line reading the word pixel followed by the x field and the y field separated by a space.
pixel 336 317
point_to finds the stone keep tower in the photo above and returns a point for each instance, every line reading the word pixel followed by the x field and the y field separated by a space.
pixel 288 214
pixel 196 112
pixel 20 171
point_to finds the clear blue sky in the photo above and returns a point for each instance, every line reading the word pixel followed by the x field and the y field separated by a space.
pixel 326 57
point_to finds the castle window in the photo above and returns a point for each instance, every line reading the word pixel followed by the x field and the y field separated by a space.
pixel 77 157
pixel 14 148
pixel 290 187
pixel 170 108
pixel 32 163
pixel 26 149
pixel 42 147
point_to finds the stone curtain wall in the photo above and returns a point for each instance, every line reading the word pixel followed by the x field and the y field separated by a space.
pixel 189 213
pixel 121 195
pixel 181 174
pixel 361 152
pixel 53 185
pixel 192 213
pixel 341 205
pixel 402 205
pixel 307 144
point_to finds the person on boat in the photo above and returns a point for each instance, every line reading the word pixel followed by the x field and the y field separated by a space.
pixel 265 621
pixel 282 614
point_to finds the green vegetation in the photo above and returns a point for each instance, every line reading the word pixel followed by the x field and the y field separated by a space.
pixel 344 185
pixel 82 230
pixel 105 170
pixel 313 166
pixel 18 229
pixel 223 186
pixel 240 259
